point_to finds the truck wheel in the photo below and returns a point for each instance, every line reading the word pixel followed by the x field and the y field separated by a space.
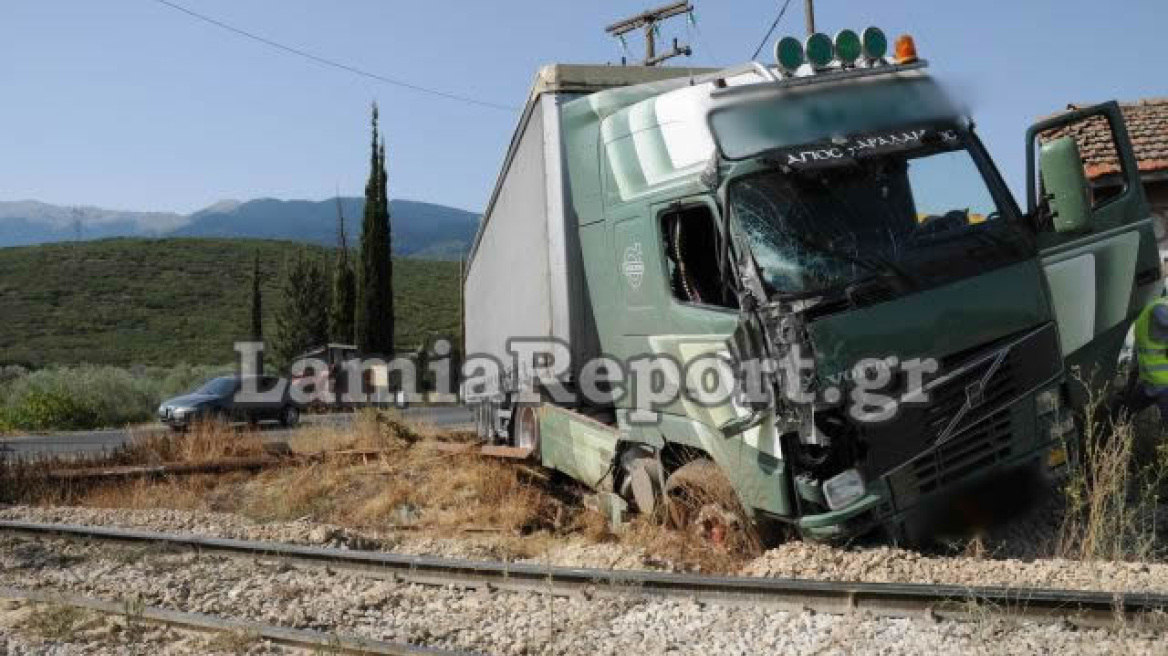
pixel 641 481
pixel 290 416
pixel 526 432
pixel 701 501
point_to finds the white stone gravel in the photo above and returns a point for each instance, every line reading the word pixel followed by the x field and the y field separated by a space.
pixel 792 560
pixel 505 622
pixel 95 633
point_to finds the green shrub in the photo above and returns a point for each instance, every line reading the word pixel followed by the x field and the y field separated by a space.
pixel 44 409
pixel 89 396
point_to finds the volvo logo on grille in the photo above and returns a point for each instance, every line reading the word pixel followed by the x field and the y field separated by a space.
pixel 974 395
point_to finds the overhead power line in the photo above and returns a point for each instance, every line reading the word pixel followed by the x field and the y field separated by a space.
pixel 769 32
pixel 650 21
pixel 333 63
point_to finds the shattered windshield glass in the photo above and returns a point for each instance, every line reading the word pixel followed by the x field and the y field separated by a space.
pixel 911 205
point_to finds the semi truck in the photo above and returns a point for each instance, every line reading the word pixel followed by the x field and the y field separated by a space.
pixel 810 230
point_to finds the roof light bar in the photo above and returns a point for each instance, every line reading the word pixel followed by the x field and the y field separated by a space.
pixel 906 50
pixel 875 44
pixel 847 47
pixel 847 50
pixel 789 54
pixel 820 50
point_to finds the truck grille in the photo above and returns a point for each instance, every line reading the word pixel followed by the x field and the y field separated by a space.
pixel 948 399
pixel 906 448
pixel 983 446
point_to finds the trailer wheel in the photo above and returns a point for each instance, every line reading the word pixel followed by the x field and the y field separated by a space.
pixel 526 431
pixel 701 501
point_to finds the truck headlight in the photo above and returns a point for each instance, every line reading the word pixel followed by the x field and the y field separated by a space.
pixel 842 489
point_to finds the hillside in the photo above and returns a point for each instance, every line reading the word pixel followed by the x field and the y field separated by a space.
pixel 421 230
pixel 164 301
pixel 24 223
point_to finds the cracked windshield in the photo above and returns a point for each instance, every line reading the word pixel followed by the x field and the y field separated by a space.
pixel 830 217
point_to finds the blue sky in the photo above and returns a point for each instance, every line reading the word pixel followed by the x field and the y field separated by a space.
pixel 130 104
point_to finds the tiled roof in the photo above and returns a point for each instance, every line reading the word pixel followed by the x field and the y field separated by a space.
pixel 1147 125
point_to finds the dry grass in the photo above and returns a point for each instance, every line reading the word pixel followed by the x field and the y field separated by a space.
pixel 390 480
pixel 54 622
pixel 413 488
pixel 205 442
pixel 672 548
pixel 1113 491
pixel 29 482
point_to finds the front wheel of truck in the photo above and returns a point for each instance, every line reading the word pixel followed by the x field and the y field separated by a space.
pixel 701 501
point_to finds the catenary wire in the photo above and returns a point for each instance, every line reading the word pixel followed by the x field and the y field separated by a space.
pixel 333 63
pixel 768 34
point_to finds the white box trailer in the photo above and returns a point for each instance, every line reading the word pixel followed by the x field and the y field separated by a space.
pixel 524 277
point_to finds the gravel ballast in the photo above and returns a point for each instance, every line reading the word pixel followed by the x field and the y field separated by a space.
pixel 500 622
pixel 795 559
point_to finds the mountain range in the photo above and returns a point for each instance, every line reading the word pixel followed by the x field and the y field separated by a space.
pixel 420 230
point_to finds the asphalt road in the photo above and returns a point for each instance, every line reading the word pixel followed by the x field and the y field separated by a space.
pixel 95 442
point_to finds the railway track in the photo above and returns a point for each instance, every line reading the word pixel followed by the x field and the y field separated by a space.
pixel 1081 608
pixel 313 641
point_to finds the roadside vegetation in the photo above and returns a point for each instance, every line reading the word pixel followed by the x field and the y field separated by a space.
pixel 382 476
pixel 158 302
pixel 91 396
pixel 1112 493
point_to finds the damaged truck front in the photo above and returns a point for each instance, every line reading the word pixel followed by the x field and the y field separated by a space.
pixel 811 285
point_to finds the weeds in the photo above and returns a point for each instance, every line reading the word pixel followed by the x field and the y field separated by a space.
pixel 238 641
pixel 32 482
pixel 203 442
pixel 1112 492
pixel 56 623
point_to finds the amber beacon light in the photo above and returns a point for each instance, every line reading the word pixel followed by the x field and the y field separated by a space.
pixel 906 50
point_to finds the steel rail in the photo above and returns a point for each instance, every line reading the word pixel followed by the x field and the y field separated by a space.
pixel 316 640
pixel 1079 607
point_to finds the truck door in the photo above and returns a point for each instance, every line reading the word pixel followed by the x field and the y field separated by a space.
pixel 1095 235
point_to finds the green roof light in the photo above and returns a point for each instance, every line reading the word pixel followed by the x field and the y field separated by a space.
pixel 820 50
pixel 847 46
pixel 875 43
pixel 789 54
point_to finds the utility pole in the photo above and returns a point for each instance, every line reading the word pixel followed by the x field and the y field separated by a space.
pixel 76 223
pixel 809 12
pixel 648 21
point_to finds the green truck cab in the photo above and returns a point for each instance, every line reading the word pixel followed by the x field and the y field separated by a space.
pixel 807 279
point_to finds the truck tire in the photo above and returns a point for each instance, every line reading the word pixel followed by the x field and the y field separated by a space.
pixel 289 416
pixel 701 501
pixel 641 481
pixel 525 428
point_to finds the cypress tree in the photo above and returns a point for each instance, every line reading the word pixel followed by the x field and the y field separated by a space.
pixel 344 287
pixel 302 318
pixel 374 312
pixel 257 314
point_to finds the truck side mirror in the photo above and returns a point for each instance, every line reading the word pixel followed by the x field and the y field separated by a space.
pixel 1065 182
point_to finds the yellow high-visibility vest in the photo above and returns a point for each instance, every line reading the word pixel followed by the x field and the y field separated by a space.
pixel 1152 353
